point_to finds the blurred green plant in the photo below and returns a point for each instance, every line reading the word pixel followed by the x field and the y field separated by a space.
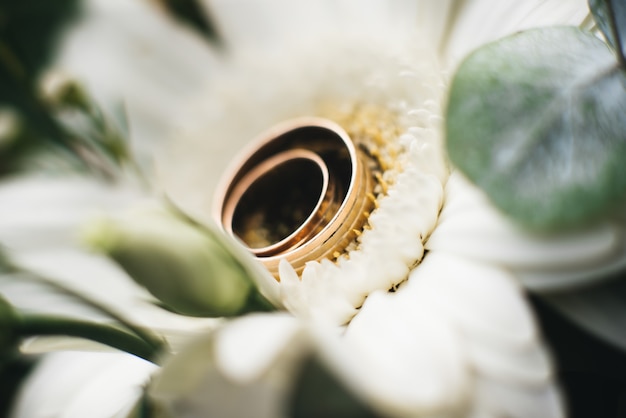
pixel 120 333
pixel 182 263
pixel 192 13
pixel 318 393
pixel 28 32
pixel 47 113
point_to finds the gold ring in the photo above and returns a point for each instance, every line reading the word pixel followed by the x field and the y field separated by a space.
pixel 299 192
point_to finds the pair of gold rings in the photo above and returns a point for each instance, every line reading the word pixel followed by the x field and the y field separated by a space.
pixel 299 193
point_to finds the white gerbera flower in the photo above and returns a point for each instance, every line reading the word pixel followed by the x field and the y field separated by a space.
pixel 419 314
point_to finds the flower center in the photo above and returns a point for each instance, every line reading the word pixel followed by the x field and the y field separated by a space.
pixel 301 192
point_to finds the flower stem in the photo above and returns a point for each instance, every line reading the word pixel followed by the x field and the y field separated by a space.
pixel 147 336
pixel 38 325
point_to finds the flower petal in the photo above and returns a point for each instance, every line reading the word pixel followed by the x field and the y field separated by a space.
pixel 333 292
pixel 77 384
pixel 457 334
pixel 245 349
pixel 456 340
pixel 410 358
pixel 238 371
pixel 482 21
pixel 39 225
pixel 470 226
pixel 39 212
pixel 130 53
pixel 273 24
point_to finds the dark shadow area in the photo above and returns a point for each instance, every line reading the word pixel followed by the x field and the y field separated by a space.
pixel 592 372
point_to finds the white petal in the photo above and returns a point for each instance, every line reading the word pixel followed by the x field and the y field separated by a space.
pixel 76 385
pixel 509 401
pixel 482 21
pixel 455 340
pixel 409 359
pixel 39 212
pixel 333 292
pixel 512 372
pixel 248 347
pixel 613 262
pixel 239 371
pixel 435 20
pixel 457 337
pixel 128 52
pixel 525 364
pixel 99 279
pixel 483 299
pixel 471 226
pixel 273 24
pixel 39 224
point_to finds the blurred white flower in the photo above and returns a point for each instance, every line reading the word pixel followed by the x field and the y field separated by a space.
pixel 454 337
pixel 79 384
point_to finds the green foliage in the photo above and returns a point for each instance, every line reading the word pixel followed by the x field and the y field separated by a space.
pixel 182 264
pixel 610 15
pixel 28 32
pixel 8 338
pixel 537 121
pixel 17 325
pixel 12 375
pixel 192 13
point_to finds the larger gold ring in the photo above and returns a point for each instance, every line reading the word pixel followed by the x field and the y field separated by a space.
pixel 301 192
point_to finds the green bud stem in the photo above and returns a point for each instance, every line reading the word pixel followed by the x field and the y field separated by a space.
pixel 38 325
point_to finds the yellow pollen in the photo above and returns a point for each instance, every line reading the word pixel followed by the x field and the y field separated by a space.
pixel 371 197
pixel 375 130
pixel 382 182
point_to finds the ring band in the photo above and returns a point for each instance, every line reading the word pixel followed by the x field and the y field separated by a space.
pixel 299 192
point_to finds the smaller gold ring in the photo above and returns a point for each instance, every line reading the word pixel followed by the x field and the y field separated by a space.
pixel 264 191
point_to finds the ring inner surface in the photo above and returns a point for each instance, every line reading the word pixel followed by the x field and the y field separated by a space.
pixel 280 201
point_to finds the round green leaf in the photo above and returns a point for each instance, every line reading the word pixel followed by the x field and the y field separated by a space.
pixel 538 121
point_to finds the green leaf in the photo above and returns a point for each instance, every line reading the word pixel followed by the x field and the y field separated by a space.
pixel 192 13
pixel 29 29
pixel 317 393
pixel 32 325
pixel 13 374
pixel 610 15
pixel 8 338
pixel 28 35
pixel 538 121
